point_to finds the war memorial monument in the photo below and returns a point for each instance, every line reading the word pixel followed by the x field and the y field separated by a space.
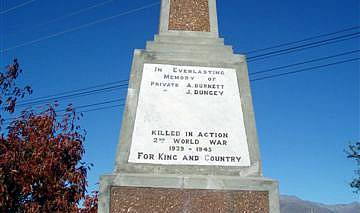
pixel 188 140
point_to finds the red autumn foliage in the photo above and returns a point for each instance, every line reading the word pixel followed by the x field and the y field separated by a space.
pixel 40 157
pixel 91 203
pixel 9 92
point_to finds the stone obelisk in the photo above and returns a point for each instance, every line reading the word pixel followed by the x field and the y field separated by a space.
pixel 188 140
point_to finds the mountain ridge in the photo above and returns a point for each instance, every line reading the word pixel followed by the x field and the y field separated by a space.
pixel 293 204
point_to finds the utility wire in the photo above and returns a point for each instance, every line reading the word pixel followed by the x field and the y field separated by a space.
pixel 102 108
pixel 78 27
pixel 77 12
pixel 90 110
pixel 256 79
pixel 72 14
pixel 305 45
pixel 76 90
pixel 252 80
pixel 110 86
pixel 304 62
pixel 261 78
pixel 304 48
pixel 111 17
pixel 85 106
pixel 81 94
pixel 108 1
pixel 15 7
pixel 302 40
pixel 304 70
pixel 95 104
pixel 96 109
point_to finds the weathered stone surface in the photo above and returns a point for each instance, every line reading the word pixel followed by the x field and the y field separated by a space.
pixel 189 15
pixel 147 200
pixel 139 187
pixel 239 194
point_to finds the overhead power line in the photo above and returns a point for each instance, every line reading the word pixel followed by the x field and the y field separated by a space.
pixel 95 104
pixel 252 80
pixel 75 95
pixel 110 86
pixel 144 7
pixel 305 69
pixel 102 108
pixel 91 110
pixel 73 13
pixel 85 106
pixel 76 90
pixel 77 12
pixel 16 7
pixel 304 62
pixel 306 45
pixel 304 48
pixel 9 120
pixel 256 79
pixel 302 40
pixel 79 27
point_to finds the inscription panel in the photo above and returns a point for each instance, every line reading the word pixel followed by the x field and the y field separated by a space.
pixel 189 115
pixel 189 15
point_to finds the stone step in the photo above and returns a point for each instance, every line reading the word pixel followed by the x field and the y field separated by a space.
pixel 188 39
pixel 215 57
pixel 188 48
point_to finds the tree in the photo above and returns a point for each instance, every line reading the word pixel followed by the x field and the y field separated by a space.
pixel 40 156
pixel 354 153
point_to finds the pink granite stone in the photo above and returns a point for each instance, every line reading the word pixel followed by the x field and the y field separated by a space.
pixel 163 200
pixel 189 15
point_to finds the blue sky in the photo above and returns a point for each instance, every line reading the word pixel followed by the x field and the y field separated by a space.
pixel 304 120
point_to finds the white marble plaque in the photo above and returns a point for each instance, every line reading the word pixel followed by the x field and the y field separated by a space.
pixel 188 115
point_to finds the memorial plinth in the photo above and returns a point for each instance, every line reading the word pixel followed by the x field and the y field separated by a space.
pixel 187 200
pixel 188 140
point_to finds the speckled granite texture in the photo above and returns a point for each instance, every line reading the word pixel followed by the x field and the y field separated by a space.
pixel 162 200
pixel 189 15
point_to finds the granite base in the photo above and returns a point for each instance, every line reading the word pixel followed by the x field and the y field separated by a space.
pixel 173 194
pixel 151 200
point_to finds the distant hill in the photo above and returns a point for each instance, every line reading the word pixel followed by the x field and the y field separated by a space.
pixel 292 204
